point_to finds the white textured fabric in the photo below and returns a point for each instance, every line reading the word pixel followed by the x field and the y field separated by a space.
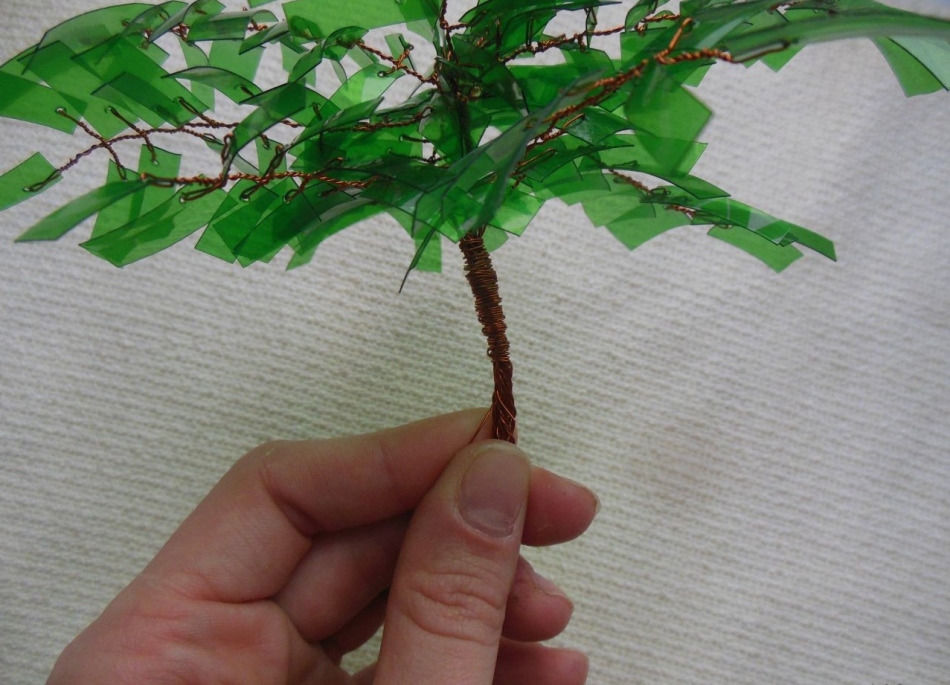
pixel 771 450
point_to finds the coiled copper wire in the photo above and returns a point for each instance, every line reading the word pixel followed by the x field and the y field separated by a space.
pixel 484 283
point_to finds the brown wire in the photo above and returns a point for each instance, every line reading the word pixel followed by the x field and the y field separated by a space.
pixel 484 283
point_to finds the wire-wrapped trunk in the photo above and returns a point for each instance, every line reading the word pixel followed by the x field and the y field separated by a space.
pixel 484 283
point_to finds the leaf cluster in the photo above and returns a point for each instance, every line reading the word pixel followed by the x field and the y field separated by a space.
pixel 496 113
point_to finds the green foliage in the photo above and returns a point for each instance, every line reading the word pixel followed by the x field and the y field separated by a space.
pixel 502 115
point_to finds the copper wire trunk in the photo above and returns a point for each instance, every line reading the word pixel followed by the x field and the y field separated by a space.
pixel 484 283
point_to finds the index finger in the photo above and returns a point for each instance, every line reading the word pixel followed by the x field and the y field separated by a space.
pixel 246 537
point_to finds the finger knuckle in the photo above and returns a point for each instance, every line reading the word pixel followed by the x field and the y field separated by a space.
pixel 460 600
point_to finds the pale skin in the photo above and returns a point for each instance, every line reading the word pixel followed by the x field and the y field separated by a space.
pixel 304 549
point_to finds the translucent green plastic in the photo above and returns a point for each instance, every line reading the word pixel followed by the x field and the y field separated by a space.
pixel 498 115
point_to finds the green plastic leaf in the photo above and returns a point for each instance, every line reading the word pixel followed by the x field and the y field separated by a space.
pixel 915 76
pixel 495 19
pixel 572 187
pixel 675 117
pixel 636 153
pixel 152 18
pixel 638 12
pixel 229 26
pixel 305 66
pixel 94 28
pixel 516 212
pixel 26 180
pixel 313 20
pixel 364 86
pixel 428 246
pixel 275 229
pixel 644 223
pixel 343 118
pixel 17 65
pixel 604 208
pixel 135 82
pixel 153 102
pixel 120 212
pixel 714 24
pixel 344 215
pixel 167 224
pixel 597 125
pixel 229 54
pixel 627 214
pixel 430 254
pixel 234 86
pixel 57 66
pixel 934 55
pixel 398 45
pixel 637 46
pixel 784 233
pixel 775 256
pixel 423 240
pixel 839 24
pixel 272 107
pixel 695 186
pixel 185 15
pixel 541 84
pixel 237 215
pixel 492 238
pixel 478 68
pixel 271 34
pixel 26 100
pixel 731 212
pixel 63 220
pixel 153 162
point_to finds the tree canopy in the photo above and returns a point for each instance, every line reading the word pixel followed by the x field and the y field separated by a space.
pixel 501 114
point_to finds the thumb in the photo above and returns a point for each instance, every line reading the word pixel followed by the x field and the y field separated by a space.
pixel 447 602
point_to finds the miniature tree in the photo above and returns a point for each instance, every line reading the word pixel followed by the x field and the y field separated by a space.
pixel 502 116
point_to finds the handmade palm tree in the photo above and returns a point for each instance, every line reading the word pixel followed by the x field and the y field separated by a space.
pixel 501 116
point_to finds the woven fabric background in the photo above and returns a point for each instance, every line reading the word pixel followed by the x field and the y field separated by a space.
pixel 772 451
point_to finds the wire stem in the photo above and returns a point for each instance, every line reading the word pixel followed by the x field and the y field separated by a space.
pixel 484 283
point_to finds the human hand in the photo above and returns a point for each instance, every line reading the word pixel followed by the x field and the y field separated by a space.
pixel 302 549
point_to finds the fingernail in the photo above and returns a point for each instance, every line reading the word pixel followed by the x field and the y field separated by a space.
pixel 548 587
pixel 593 495
pixel 596 501
pixel 494 489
